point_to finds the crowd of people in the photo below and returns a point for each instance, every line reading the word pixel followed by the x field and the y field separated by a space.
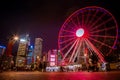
pixel 90 66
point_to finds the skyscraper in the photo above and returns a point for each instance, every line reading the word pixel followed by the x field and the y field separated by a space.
pixel 22 51
pixel 38 49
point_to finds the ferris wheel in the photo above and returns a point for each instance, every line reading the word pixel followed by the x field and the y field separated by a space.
pixel 90 30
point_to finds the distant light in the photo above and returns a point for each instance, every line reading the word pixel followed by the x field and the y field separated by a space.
pixel 52 55
pixel 80 32
pixel 85 55
pixel 31 46
pixel 22 40
pixel 52 63
pixel 2 47
pixel 20 60
pixel 38 57
pixel 52 59
pixel 16 38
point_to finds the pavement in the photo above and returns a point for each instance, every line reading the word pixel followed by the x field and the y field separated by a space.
pixel 36 75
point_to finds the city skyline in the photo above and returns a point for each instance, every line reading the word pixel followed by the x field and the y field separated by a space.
pixel 43 18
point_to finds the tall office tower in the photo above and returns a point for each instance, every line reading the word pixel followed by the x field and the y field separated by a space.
pixel 22 51
pixel 38 49
pixel 30 55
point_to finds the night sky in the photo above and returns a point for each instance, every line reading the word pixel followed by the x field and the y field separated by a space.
pixel 43 18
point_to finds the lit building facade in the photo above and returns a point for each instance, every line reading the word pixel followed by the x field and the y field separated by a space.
pixel 38 49
pixel 30 55
pixel 21 58
pixel 52 57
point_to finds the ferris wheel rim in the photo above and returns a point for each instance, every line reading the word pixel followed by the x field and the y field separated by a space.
pixel 96 7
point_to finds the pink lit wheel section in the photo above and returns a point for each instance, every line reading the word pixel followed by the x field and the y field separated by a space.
pixel 93 26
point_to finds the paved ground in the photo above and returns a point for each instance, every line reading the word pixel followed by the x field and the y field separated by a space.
pixel 113 75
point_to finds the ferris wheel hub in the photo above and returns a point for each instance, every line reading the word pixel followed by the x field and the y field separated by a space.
pixel 80 32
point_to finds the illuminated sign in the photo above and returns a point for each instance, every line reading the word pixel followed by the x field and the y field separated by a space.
pixel 52 59
pixel 52 55
pixel 52 63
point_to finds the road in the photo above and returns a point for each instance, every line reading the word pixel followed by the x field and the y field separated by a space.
pixel 113 75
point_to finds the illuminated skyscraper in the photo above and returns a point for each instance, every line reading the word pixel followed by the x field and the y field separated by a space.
pixel 22 51
pixel 30 55
pixel 38 48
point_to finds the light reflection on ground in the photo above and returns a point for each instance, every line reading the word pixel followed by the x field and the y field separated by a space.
pixel 60 75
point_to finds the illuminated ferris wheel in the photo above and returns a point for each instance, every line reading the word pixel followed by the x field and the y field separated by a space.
pixel 90 30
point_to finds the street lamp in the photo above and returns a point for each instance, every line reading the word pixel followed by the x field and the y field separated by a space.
pixel 11 42
pixel 16 38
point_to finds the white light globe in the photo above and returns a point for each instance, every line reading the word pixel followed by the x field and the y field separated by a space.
pixel 80 32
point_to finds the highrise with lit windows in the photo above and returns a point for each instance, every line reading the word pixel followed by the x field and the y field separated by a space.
pixel 38 49
pixel 21 59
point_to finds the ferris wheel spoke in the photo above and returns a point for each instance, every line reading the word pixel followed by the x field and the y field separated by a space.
pixel 88 46
pixel 104 29
pixel 94 15
pixel 82 19
pixel 68 45
pixel 99 54
pixel 87 18
pixel 102 24
pixel 69 49
pixel 100 42
pixel 93 48
pixel 65 41
pixel 68 36
pixel 79 24
pixel 68 31
pixel 103 36
pixel 73 53
pixel 78 49
pixel 94 23
pixel 71 27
